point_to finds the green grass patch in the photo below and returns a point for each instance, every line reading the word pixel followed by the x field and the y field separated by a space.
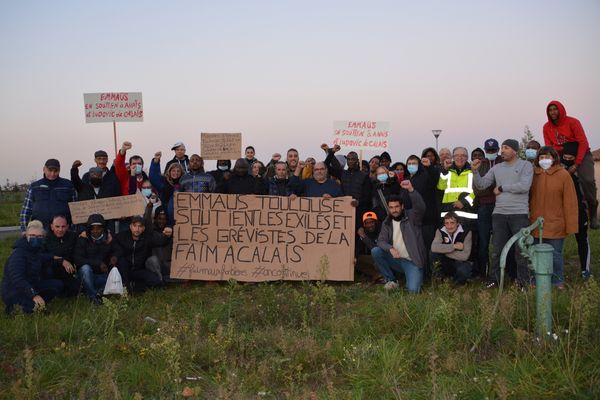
pixel 306 341
pixel 9 213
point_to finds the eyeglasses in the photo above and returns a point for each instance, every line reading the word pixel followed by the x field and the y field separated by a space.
pixel 35 236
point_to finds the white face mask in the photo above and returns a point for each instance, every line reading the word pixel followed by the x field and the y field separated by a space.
pixel 546 163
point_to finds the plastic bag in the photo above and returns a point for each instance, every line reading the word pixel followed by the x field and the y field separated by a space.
pixel 114 284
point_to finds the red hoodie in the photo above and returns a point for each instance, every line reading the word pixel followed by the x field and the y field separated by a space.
pixel 568 129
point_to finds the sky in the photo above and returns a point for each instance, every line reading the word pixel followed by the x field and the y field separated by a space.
pixel 281 72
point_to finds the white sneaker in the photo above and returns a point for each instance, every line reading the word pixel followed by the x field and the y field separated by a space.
pixel 391 285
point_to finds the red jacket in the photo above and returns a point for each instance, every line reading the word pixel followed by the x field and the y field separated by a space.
pixel 122 173
pixel 568 129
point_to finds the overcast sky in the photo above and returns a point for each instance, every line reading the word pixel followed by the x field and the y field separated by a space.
pixel 281 72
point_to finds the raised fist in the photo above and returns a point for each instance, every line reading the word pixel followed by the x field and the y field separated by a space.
pixel 475 165
pixel 276 157
pixel 336 148
pixel 325 147
pixel 126 146
pixel 426 162
pixel 168 232
pixel 76 164
pixel 447 164
pixel 157 155
pixel 406 184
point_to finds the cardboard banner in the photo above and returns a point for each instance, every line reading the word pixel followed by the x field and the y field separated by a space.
pixel 109 107
pixel 220 146
pixel 110 207
pixel 262 238
pixel 361 135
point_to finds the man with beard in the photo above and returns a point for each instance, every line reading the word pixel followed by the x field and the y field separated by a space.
pixel 400 245
pixel 318 186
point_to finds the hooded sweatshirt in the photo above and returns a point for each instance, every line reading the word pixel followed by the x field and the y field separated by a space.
pixel 567 129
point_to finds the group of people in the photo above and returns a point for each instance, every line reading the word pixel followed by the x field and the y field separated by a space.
pixel 433 215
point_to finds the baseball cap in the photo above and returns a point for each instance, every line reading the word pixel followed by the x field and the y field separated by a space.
pixel 491 144
pixel 100 153
pixel 52 163
pixel 369 215
pixel 176 145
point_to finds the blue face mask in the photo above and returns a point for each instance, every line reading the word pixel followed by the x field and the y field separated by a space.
pixel 138 169
pixel 147 192
pixel 412 169
pixel 36 242
pixel 382 178
pixel 491 157
pixel 223 167
pixel 530 153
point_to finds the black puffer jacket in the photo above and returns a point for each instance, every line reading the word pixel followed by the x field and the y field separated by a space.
pixel 93 252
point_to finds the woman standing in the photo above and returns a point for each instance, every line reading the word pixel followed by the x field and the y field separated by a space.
pixel 553 197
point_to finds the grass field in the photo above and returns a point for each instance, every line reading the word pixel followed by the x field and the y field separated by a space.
pixel 307 341
pixel 9 213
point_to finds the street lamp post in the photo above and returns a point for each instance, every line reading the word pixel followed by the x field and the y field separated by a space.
pixel 436 133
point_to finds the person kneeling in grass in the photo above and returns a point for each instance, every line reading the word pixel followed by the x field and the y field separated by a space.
pixel 22 283
pixel 451 248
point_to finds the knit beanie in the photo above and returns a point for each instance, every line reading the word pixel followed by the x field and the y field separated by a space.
pixel 512 143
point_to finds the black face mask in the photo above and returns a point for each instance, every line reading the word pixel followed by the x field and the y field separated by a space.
pixel 95 182
pixel 567 163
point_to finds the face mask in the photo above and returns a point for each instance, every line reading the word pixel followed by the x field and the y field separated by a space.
pixel 546 163
pixel 412 169
pixel 223 167
pixel 491 157
pixel 138 169
pixel 98 238
pixel 95 182
pixel 530 153
pixel 567 163
pixel 36 242
pixel 147 192
pixel 382 178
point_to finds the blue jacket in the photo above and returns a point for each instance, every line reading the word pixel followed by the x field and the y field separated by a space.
pixel 45 199
pixel 22 270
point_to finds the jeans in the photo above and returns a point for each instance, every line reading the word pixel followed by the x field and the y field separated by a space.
pixel 484 230
pixel 505 226
pixel 92 283
pixel 388 264
pixel 558 263
pixel 47 289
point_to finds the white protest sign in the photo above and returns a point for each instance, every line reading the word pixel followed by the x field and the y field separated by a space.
pixel 113 106
pixel 361 135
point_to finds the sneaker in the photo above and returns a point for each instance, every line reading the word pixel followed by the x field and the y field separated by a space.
pixel 391 285
pixel 490 285
pixel 594 223
pixel 586 275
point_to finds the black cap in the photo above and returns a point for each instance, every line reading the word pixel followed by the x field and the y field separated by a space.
pixel 512 143
pixel 52 163
pixel 100 153
pixel 96 171
pixel 138 218
pixel 491 144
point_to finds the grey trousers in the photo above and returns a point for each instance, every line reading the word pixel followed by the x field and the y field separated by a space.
pixel 503 227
